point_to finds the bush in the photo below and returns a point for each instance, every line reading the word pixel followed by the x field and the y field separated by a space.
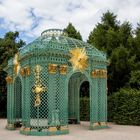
pixel 3 104
pixel 84 109
pixel 124 107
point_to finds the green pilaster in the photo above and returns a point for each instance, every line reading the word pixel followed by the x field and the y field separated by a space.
pixel 94 101
pixel 51 96
pixel 27 101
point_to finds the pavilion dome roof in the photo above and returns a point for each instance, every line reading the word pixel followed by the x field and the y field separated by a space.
pixel 56 40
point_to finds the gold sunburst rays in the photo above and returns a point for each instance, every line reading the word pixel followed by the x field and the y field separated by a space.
pixel 78 59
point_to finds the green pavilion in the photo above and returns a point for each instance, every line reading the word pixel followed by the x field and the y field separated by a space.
pixel 43 83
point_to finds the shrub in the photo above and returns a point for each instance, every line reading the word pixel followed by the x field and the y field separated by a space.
pixel 3 104
pixel 124 107
pixel 84 109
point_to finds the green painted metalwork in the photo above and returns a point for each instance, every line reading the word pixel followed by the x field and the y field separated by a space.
pixel 60 100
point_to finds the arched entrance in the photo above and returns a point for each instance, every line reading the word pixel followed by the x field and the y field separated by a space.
pixel 17 101
pixel 74 89
pixel 84 101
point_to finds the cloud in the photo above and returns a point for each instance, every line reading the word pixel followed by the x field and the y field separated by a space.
pixel 33 16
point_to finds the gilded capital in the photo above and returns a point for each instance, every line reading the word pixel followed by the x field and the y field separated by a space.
pixel 8 79
pixel 52 68
pixel 63 69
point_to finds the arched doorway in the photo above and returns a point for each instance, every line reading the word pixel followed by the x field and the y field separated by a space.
pixel 17 101
pixel 75 85
pixel 84 101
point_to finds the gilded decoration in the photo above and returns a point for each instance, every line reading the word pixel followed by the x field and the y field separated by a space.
pixel 103 123
pixel 52 129
pixel 79 59
pixel 63 69
pixel 8 79
pixel 27 129
pixel 16 64
pixel 63 128
pixel 25 71
pixel 38 87
pixel 99 73
pixel 52 68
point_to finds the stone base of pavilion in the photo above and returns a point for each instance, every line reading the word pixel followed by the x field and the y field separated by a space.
pixel 10 126
pixel 98 125
pixel 51 130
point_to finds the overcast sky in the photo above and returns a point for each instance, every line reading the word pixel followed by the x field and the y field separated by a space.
pixel 31 17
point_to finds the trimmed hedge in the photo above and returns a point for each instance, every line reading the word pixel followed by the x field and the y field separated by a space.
pixel 124 107
pixel 84 109
pixel 3 105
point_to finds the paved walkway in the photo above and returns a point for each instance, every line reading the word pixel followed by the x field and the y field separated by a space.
pixel 78 132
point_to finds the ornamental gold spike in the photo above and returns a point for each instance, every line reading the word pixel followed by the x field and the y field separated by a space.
pixel 78 59
pixel 38 88
pixel 16 63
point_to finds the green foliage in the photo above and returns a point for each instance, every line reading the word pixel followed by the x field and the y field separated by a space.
pixel 72 32
pixel 84 109
pixel 109 20
pixel 105 33
pixel 9 45
pixel 119 69
pixel 122 48
pixel 123 107
pixel 135 79
pixel 3 105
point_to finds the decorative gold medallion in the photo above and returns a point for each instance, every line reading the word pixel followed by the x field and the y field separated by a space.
pixel 79 59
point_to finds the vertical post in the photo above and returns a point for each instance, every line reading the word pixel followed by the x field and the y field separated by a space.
pixel 93 103
pixel 27 101
pixel 51 96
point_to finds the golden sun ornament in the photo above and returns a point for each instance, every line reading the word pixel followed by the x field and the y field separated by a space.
pixel 78 59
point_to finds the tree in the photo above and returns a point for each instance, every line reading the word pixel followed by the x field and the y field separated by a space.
pixel 135 79
pixel 9 45
pixel 97 37
pixel 104 36
pixel 125 33
pixel 117 41
pixel 109 20
pixel 119 70
pixel 72 32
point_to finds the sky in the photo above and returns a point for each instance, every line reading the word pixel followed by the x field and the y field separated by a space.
pixel 31 17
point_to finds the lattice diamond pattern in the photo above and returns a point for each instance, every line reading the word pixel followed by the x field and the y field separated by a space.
pixel 99 99
pixel 17 99
pixel 39 115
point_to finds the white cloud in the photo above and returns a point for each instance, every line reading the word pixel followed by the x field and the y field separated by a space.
pixel 34 16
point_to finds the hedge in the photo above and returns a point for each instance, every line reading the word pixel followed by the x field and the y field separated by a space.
pixel 124 107
pixel 84 109
pixel 3 104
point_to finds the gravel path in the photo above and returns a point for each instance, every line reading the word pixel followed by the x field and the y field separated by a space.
pixel 78 132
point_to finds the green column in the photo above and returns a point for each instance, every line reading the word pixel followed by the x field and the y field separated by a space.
pixel 27 101
pixel 93 102
pixel 23 102
pixel 62 99
pixel 51 96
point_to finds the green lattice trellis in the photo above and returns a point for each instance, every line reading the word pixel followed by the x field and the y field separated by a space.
pixel 60 99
